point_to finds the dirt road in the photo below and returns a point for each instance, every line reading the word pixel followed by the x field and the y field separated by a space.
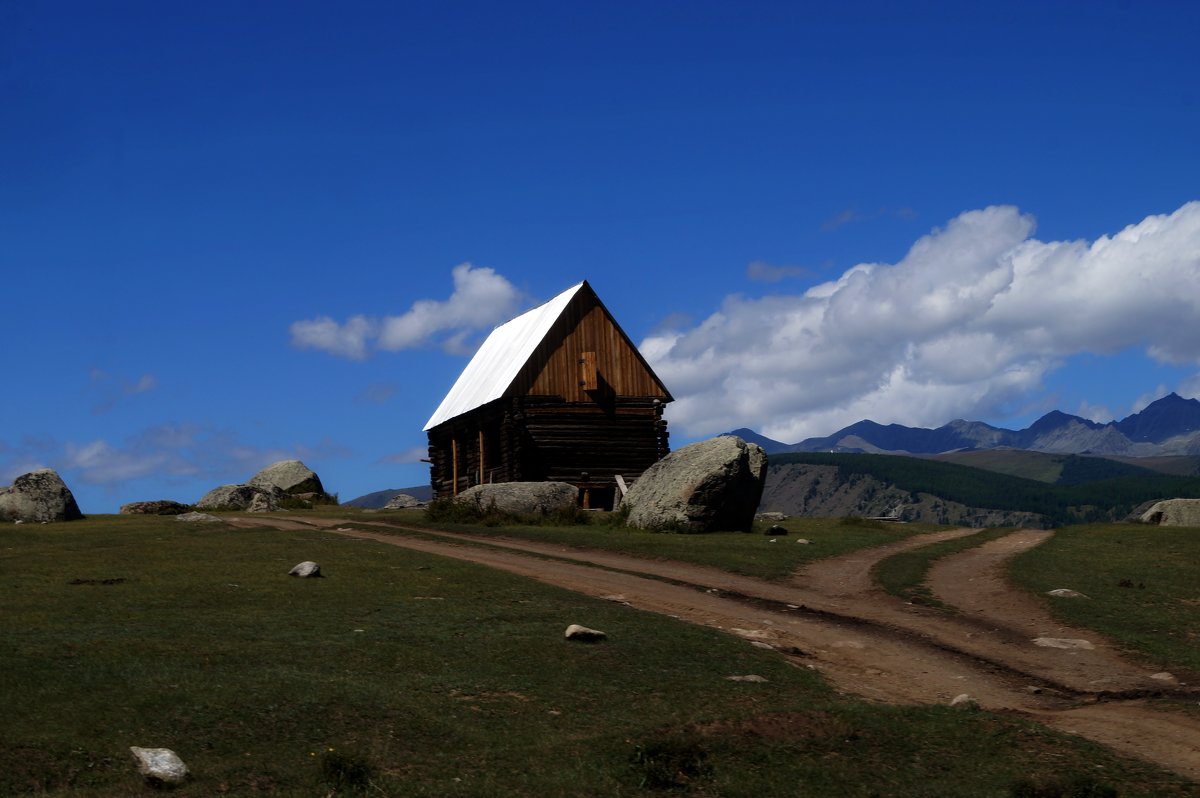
pixel 831 616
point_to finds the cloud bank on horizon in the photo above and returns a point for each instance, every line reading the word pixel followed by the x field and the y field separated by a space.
pixel 968 323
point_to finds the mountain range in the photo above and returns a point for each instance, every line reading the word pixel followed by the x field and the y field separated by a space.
pixel 1167 426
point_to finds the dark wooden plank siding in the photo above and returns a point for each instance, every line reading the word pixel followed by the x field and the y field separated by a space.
pixel 556 368
pixel 584 409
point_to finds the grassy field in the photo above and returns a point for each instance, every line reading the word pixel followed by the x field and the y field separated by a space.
pixel 1143 584
pixel 751 554
pixel 402 674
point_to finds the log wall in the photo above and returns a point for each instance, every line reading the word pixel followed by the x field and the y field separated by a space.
pixel 585 444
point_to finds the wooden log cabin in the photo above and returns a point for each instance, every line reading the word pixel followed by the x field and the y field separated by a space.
pixel 558 393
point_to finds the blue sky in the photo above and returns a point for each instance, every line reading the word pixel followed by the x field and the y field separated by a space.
pixel 236 232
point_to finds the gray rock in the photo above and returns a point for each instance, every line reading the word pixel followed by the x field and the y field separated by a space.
pixel 290 476
pixel 704 487
pixel 771 516
pixel 522 498
pixel 1173 512
pixel 40 495
pixel 964 701
pixel 776 529
pixel 306 570
pixel 160 766
pixel 1065 643
pixel 1065 592
pixel 262 503
pixel 752 678
pixel 583 634
pixel 195 517
pixel 234 497
pixel 804 541
pixel 160 507
pixel 402 501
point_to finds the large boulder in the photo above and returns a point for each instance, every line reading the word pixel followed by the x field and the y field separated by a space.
pixel 159 507
pixel 521 498
pixel 704 487
pixel 1173 512
pixel 263 503
pixel 236 497
pixel 290 476
pixel 402 501
pixel 40 495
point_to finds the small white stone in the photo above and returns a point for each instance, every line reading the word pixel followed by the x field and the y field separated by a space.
pixel 1163 676
pixel 160 765
pixel 583 634
pixel 1065 592
pixel 803 541
pixel 964 700
pixel 750 677
pixel 306 569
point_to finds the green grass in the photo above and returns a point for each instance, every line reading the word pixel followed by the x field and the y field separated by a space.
pixel 750 554
pixel 1141 582
pixel 903 574
pixel 406 674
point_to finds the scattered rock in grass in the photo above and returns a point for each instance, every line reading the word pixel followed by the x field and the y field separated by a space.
pixel 1062 642
pixel 773 517
pixel 583 634
pixel 1163 676
pixel 160 766
pixel 750 677
pixel 776 530
pixel 1065 592
pixel 804 541
pixel 38 496
pixel 402 501
pixel 965 701
pixel 159 507
pixel 773 540
pixel 306 570
pixel 262 503
pixel 195 517
pixel 761 644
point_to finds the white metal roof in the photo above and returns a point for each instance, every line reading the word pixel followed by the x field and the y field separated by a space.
pixel 500 358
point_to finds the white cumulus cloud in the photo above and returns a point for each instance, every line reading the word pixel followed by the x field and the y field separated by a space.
pixel 969 321
pixel 481 299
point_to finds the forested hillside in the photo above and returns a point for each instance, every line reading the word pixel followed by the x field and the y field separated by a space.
pixel 1085 491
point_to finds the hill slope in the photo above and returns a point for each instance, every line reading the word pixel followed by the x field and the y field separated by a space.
pixel 929 490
